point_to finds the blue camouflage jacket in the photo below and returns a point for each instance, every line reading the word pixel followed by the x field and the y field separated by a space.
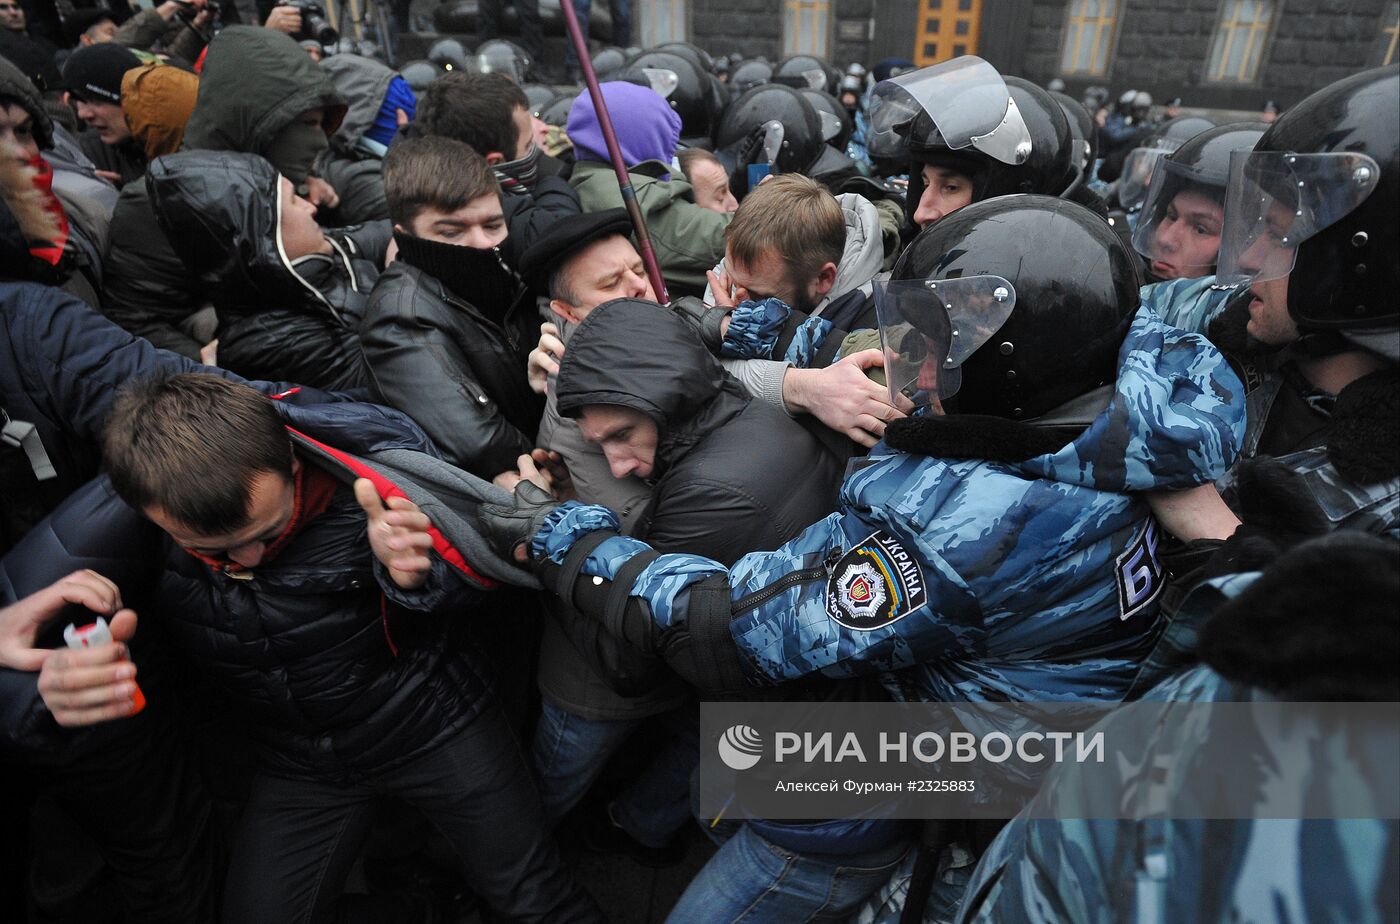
pixel 1164 870
pixel 1322 495
pixel 969 580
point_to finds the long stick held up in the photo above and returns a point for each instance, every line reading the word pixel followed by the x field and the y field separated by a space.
pixel 624 182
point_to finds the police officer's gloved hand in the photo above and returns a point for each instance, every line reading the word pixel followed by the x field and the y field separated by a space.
pixel 704 319
pixel 749 150
pixel 507 529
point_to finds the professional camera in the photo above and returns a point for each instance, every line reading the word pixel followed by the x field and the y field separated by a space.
pixel 314 24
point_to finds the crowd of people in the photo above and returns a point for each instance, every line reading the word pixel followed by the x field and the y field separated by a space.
pixel 420 497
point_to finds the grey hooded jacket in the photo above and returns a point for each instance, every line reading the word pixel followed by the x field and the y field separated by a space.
pixel 353 171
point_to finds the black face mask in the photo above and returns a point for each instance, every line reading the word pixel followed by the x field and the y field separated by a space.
pixel 478 276
pixel 294 150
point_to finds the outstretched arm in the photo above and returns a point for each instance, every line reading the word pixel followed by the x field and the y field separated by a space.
pixel 811 606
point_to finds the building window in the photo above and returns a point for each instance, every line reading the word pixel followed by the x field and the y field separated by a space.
pixel 806 27
pixel 1238 46
pixel 1390 31
pixel 1089 37
pixel 662 21
pixel 962 23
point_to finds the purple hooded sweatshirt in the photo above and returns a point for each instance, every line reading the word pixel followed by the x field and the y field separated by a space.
pixel 647 127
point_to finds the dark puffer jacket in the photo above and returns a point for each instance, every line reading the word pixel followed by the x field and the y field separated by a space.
pixel 61 365
pixel 731 472
pixel 456 368
pixel 278 318
pixel 728 470
pixel 341 672
pixel 255 83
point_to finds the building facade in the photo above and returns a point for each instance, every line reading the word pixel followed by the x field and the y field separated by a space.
pixel 1224 54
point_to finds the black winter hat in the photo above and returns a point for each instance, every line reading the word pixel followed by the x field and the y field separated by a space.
pixel 95 72
pixel 569 235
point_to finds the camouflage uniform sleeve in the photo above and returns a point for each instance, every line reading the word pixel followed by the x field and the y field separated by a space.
pixel 758 330
pixel 1176 420
pixel 1189 304
pixel 832 600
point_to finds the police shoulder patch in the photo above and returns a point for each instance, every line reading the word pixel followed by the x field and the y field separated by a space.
pixel 874 584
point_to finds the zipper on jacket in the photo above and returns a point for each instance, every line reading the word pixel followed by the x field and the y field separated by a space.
pixel 804 576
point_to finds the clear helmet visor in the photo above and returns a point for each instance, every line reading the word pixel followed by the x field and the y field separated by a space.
pixel 762 145
pixel 966 99
pixel 1138 169
pixel 1179 228
pixel 663 81
pixel 1276 200
pixel 929 327
pixel 831 125
pixel 815 78
pixel 773 134
pixel 513 66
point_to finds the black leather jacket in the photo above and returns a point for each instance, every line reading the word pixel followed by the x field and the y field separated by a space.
pixel 455 370
pixel 278 318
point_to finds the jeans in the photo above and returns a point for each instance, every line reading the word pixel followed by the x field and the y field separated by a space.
pixel 570 752
pixel 621 26
pixel 755 881
pixel 299 838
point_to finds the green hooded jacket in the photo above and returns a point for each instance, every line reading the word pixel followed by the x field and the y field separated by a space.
pixel 688 239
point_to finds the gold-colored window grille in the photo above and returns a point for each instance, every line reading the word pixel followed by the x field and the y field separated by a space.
pixel 806 27
pixel 1238 47
pixel 1088 46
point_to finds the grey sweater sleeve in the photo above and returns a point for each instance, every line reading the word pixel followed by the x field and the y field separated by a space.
pixel 762 378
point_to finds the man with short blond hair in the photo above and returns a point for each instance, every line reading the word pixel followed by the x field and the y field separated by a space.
pixel 786 241
pixel 817 254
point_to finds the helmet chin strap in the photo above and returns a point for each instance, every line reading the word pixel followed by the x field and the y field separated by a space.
pixel 1316 344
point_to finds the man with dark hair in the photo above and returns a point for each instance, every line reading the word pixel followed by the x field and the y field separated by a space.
pixel 30 53
pixel 708 178
pixel 490 113
pixel 91 27
pixel 332 614
pixel 94 76
pixel 449 325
